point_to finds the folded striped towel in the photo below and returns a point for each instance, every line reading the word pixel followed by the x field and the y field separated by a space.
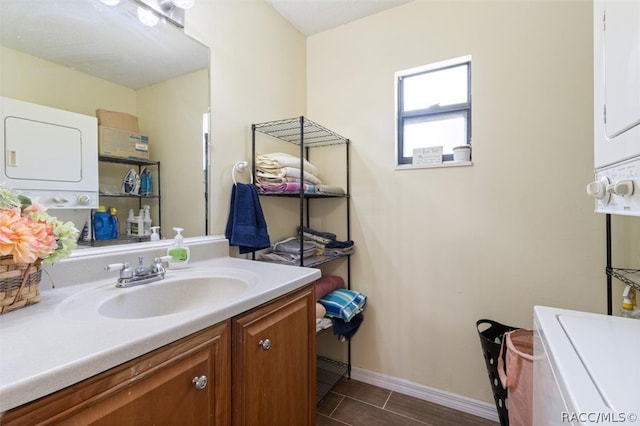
pixel 343 303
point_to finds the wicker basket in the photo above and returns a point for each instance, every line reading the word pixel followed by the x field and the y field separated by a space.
pixel 19 284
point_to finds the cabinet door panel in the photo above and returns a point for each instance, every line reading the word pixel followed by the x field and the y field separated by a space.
pixel 167 398
pixel 274 382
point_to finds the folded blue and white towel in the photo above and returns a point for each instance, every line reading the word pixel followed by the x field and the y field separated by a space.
pixel 343 303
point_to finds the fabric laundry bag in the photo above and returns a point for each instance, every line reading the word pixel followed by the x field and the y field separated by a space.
pixel 517 377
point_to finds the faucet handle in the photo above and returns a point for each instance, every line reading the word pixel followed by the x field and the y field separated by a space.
pixel 124 268
pixel 157 266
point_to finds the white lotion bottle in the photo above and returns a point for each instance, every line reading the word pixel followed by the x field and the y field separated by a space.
pixel 154 233
pixel 178 251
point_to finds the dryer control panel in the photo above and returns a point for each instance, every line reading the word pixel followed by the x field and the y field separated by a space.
pixel 617 188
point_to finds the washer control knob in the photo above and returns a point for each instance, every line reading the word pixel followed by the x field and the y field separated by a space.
pixel 599 189
pixel 83 199
pixel 622 187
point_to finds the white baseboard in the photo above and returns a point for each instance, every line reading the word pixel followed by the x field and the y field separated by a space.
pixel 437 396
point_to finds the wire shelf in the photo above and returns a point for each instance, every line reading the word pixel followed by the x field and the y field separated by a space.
pixel 311 133
pixel 628 276
pixel 310 262
pixel 305 194
pixel 329 374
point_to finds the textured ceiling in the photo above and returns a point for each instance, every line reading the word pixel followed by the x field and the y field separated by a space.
pixel 313 16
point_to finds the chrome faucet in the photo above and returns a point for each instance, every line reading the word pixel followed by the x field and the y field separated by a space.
pixel 140 275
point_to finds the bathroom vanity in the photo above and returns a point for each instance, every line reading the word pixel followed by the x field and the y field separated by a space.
pixel 248 358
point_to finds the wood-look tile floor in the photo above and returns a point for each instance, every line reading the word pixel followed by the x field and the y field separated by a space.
pixel 355 403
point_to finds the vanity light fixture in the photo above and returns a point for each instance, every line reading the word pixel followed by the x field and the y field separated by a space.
pixel 172 10
pixel 182 4
pixel 147 17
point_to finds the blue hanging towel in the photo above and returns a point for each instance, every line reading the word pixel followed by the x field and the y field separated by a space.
pixel 246 226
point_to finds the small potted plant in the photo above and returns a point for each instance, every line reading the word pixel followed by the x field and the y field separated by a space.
pixel 29 237
pixel 462 153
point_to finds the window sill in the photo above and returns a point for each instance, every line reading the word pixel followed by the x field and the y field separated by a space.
pixel 435 166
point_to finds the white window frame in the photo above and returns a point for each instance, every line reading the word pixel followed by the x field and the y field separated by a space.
pixel 403 162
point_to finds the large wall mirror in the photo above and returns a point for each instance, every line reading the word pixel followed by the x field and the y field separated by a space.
pixel 83 55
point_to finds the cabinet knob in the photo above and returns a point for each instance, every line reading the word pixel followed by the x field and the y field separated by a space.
pixel 266 344
pixel 200 382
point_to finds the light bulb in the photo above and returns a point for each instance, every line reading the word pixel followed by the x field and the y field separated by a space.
pixel 184 4
pixel 110 2
pixel 147 17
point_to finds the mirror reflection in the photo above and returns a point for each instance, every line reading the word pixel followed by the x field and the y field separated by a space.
pixel 84 55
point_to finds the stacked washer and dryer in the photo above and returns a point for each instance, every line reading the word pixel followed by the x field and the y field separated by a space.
pixel 587 366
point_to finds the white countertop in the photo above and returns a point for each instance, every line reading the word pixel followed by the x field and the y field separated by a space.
pixel 44 349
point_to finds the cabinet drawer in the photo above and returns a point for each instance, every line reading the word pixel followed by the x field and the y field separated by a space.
pixel 156 388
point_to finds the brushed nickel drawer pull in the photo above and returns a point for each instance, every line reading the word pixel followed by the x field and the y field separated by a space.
pixel 200 382
pixel 266 344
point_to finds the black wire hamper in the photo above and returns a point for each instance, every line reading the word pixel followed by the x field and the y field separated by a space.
pixel 491 334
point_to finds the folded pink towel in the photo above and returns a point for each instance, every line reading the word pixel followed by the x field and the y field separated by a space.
pixel 326 284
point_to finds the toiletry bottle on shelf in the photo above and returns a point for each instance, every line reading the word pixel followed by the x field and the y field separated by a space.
pixel 101 224
pixel 147 220
pixel 178 251
pixel 146 182
pixel 115 226
pixel 84 235
pixel 140 226
pixel 628 302
pixel 130 220
pixel 154 233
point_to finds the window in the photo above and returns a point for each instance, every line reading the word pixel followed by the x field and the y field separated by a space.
pixel 433 108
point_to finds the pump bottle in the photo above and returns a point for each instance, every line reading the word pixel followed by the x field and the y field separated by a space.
pixel 178 251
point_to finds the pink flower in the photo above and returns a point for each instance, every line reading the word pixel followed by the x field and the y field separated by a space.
pixel 23 238
pixel 35 208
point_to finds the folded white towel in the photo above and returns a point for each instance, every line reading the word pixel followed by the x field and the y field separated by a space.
pixel 281 175
pixel 327 189
pixel 277 160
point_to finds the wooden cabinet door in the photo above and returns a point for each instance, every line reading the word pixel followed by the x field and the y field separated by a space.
pixel 155 389
pixel 274 369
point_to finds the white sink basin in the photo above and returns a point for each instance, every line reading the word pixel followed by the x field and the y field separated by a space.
pixel 172 297
pixel 178 293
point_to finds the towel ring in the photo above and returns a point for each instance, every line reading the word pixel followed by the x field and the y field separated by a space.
pixel 240 167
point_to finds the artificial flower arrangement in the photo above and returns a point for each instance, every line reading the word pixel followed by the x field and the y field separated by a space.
pixel 28 237
pixel 28 233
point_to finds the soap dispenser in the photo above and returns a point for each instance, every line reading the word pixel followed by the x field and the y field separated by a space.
pixel 178 251
pixel 154 233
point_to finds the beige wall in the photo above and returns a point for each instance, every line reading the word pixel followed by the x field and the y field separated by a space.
pixel 42 82
pixel 257 74
pixel 179 148
pixel 438 249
